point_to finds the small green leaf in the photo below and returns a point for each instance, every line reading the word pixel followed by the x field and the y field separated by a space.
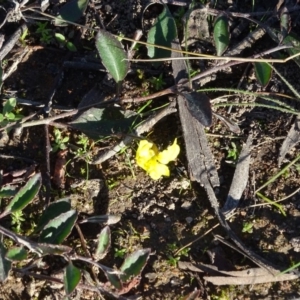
pixel 58 228
pixel 103 243
pixel 134 264
pixel 102 122
pixel 162 33
pixel 113 56
pixel 72 277
pixel 60 38
pixel 9 105
pixel 294 40
pixel 263 72
pixel 5 265
pixel 24 196
pixel 71 11
pixel 71 47
pixel 221 33
pixel 52 211
pixel 16 254
pixel 10 116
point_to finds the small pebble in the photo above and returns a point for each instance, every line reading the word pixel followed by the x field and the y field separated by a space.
pixel 186 205
pixel 172 206
pixel 175 281
pixel 151 276
pixel 189 220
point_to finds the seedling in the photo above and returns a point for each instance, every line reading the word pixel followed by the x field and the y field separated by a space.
pixel 17 220
pixel 157 82
pixel 233 152
pixel 64 42
pixel 120 252
pixel 23 37
pixel 7 115
pixel 59 141
pixel 44 32
pixel 173 260
pixel 247 227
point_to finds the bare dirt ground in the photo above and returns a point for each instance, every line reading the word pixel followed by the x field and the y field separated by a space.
pixel 173 212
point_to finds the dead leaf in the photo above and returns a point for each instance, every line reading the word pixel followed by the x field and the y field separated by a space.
pixel 60 169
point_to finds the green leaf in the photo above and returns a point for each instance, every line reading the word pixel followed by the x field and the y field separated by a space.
pixel 60 38
pixel 102 122
pixel 72 277
pixel 24 196
pixel 103 243
pixel 134 264
pixel 16 254
pixel 10 116
pixel 263 72
pixel 294 40
pixel 52 211
pixel 71 11
pixel 7 191
pixel 162 33
pixel 221 33
pixel 112 54
pixel 9 105
pixel 71 47
pixel 58 228
pixel 112 276
pixel 5 265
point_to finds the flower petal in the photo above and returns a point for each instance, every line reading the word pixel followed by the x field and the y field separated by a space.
pixel 169 154
pixel 158 170
pixel 146 149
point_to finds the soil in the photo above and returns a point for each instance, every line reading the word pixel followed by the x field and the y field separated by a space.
pixel 174 211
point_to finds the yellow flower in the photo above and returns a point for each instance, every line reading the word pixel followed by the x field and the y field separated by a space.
pixel 154 162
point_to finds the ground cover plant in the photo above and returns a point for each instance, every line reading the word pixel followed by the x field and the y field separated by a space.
pixel 149 150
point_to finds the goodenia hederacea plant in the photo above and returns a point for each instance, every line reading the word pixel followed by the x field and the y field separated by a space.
pixel 154 162
pixel 112 54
